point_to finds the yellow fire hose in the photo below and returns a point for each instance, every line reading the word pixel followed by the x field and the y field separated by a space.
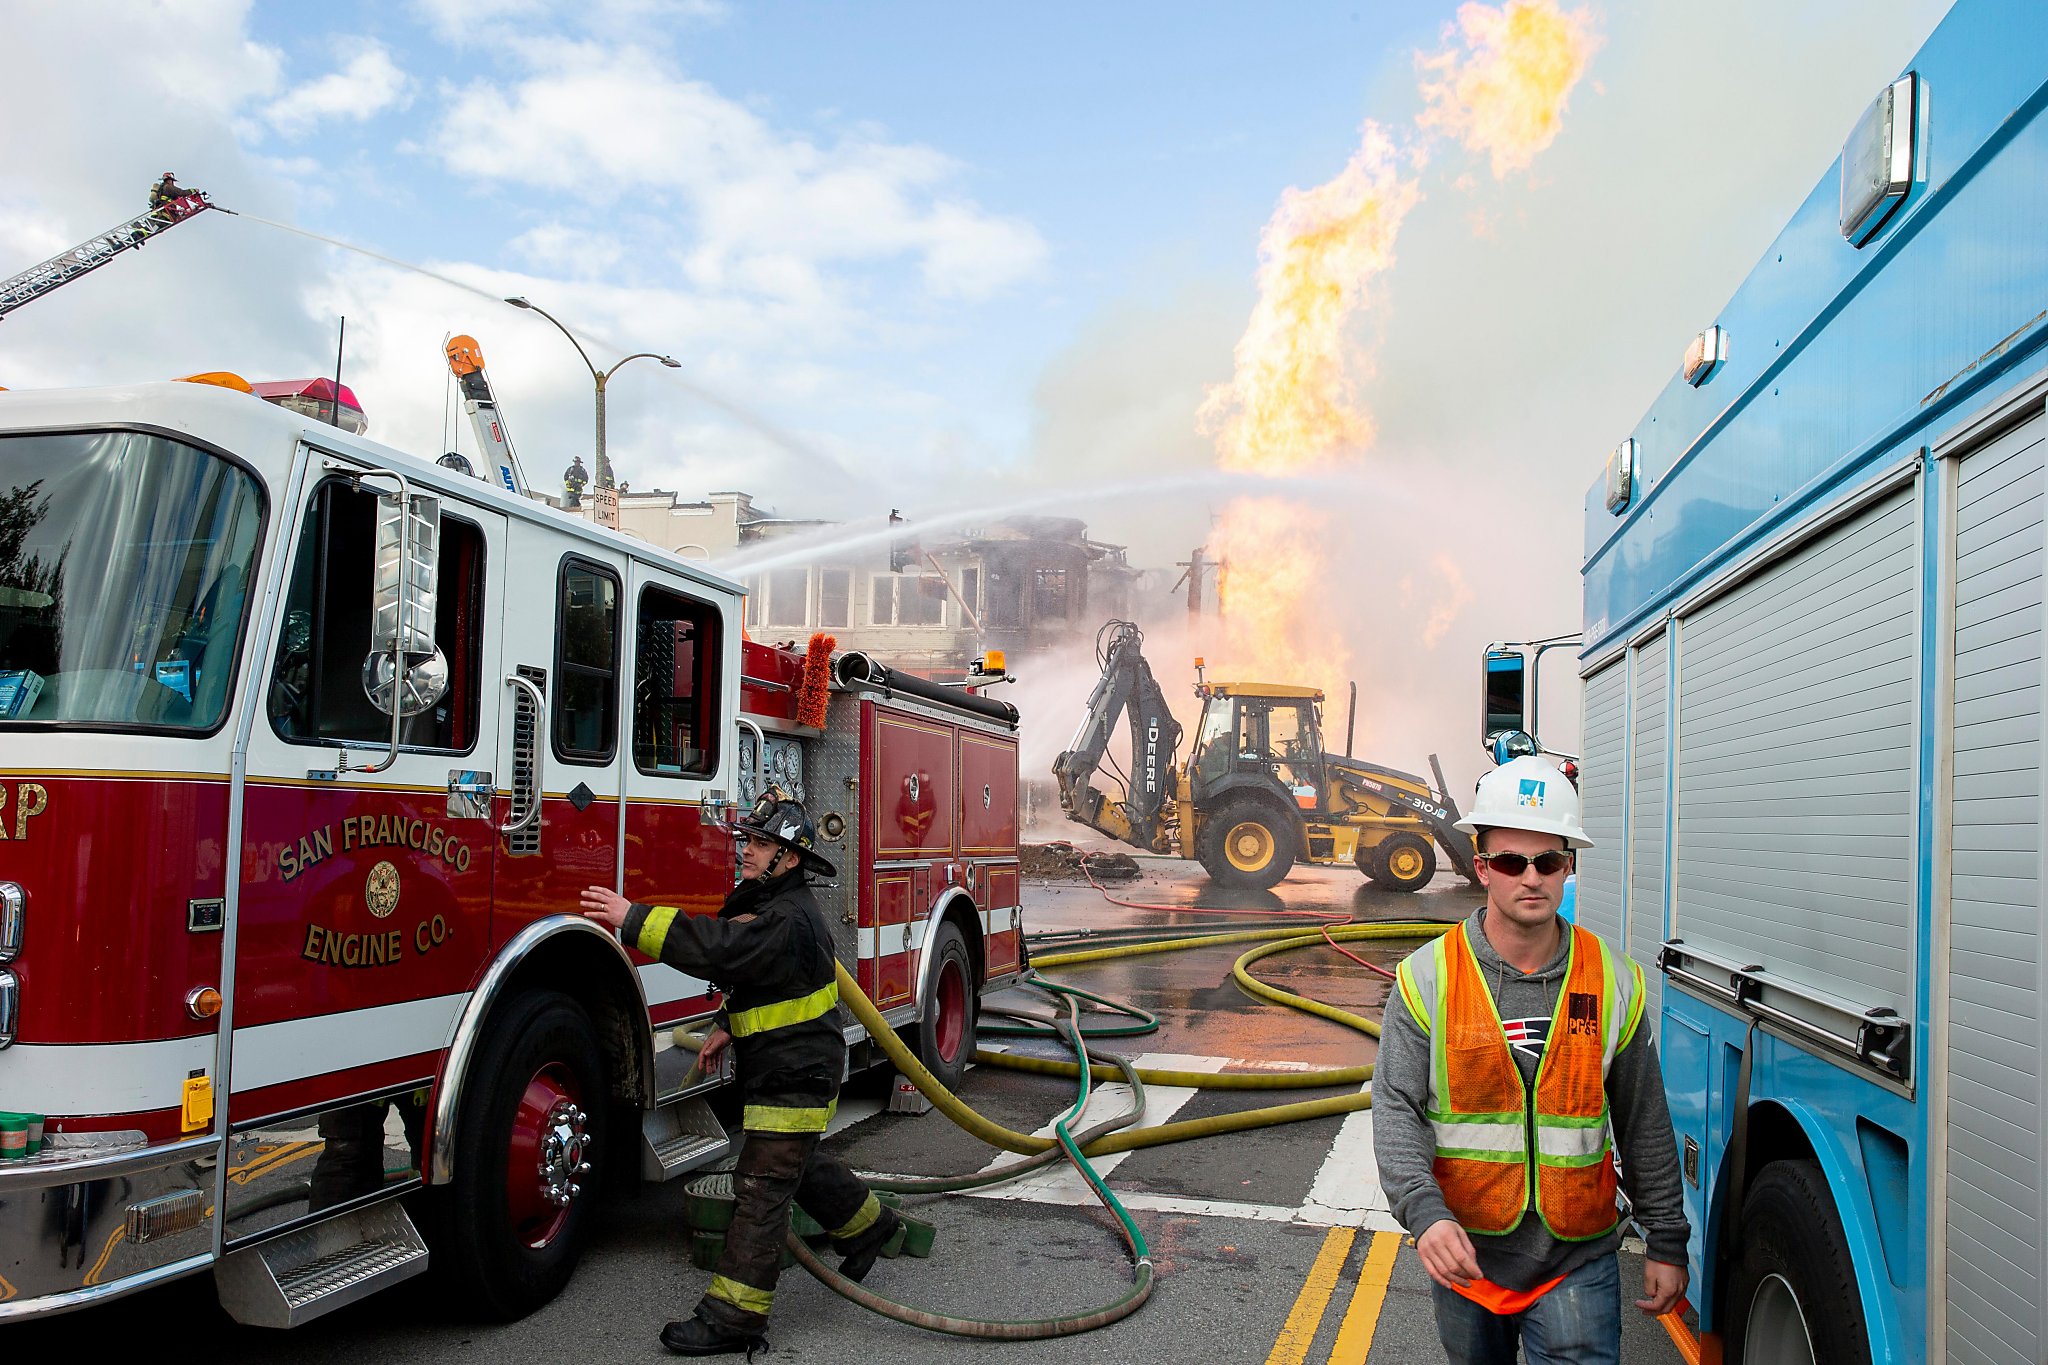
pixel 1010 1140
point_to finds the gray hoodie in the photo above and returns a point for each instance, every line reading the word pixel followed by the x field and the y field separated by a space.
pixel 1403 1143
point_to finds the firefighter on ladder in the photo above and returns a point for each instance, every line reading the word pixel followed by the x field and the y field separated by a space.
pixel 162 195
pixel 771 950
pixel 1515 1063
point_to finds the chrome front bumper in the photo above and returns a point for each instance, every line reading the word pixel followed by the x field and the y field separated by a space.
pixel 80 1225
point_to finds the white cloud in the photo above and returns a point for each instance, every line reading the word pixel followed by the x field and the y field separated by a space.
pixel 495 22
pixel 368 85
pixel 760 206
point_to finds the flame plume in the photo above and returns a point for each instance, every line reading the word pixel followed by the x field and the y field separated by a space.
pixel 1499 87
pixel 1291 402
pixel 1505 95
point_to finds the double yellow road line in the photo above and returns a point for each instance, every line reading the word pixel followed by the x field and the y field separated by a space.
pixel 1361 1318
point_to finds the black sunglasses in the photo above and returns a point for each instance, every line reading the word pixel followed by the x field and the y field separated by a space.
pixel 1549 863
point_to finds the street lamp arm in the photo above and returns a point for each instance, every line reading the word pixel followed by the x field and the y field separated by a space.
pixel 599 375
pixel 669 361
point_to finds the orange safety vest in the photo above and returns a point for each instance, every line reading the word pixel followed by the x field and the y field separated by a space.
pixel 1487 1140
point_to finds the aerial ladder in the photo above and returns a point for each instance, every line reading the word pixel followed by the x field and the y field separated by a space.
pixel 466 363
pixel 95 252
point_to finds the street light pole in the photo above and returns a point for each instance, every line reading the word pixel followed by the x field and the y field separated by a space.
pixel 601 378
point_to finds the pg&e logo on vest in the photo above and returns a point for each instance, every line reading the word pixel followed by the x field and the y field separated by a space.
pixel 1531 793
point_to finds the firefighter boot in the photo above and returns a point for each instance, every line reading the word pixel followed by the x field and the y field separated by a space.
pixel 858 1255
pixel 698 1335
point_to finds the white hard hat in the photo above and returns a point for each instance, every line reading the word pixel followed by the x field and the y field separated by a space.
pixel 1528 793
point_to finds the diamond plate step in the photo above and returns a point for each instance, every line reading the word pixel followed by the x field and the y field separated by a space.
pixel 680 1137
pixel 298 1277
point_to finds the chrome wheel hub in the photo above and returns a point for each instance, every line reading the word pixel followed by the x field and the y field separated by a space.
pixel 565 1142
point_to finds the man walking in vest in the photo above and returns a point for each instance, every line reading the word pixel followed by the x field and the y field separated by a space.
pixel 1515 1063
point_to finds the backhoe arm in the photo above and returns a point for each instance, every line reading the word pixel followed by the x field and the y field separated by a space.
pixel 1126 686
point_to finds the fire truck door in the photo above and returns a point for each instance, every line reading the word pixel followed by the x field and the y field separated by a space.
pixel 678 743
pixel 562 729
pixel 364 908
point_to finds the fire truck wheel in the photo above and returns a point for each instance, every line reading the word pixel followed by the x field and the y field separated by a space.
pixel 1247 846
pixel 530 1136
pixel 1792 1296
pixel 1403 862
pixel 945 1025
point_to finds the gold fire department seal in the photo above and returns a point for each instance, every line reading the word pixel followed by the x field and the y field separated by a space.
pixel 380 889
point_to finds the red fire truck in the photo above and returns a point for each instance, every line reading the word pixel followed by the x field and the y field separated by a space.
pixel 306 747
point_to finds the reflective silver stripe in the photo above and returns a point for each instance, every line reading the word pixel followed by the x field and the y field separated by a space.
pixel 1560 1140
pixel 1478 1137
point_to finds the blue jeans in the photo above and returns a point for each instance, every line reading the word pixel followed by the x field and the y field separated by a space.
pixel 1577 1323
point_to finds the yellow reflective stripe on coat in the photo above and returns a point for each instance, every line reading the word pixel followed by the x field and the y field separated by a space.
pixel 654 929
pixel 744 1297
pixel 783 1013
pixel 870 1210
pixel 774 1118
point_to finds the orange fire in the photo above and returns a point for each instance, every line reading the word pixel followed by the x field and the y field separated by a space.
pixel 1291 404
pixel 1505 94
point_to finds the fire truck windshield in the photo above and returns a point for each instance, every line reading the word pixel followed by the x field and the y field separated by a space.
pixel 124 575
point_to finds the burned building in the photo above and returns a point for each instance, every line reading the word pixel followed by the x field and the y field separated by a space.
pixel 928 603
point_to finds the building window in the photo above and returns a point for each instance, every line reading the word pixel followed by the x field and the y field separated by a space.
pixel 906 600
pixel 789 593
pixel 753 587
pixel 1049 594
pixel 970 593
pixel 835 598
pixel 586 663
pixel 675 686
pixel 920 601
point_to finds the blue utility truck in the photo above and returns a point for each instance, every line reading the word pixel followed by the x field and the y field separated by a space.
pixel 1814 736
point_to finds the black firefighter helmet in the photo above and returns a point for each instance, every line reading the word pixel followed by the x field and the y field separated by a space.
pixel 777 818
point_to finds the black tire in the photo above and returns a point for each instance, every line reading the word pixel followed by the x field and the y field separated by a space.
pixel 1248 846
pixel 1794 1271
pixel 946 1014
pixel 506 1254
pixel 1403 862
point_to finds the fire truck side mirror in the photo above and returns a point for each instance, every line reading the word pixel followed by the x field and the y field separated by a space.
pixel 402 600
pixel 1504 693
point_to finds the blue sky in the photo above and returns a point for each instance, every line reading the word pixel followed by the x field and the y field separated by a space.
pixel 938 255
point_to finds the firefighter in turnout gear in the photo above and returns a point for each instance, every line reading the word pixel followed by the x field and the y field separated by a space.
pixel 1515 1062
pixel 574 479
pixel 770 950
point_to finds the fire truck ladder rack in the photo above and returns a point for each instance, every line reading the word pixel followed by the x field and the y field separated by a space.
pixel 95 252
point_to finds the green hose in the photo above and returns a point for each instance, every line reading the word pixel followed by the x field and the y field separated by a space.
pixel 1101 1140
pixel 1026 1329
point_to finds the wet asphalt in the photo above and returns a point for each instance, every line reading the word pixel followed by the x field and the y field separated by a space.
pixel 1269 1246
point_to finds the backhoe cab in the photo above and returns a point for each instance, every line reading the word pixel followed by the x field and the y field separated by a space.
pixel 1260 791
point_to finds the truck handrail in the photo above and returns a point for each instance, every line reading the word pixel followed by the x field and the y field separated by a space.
pixel 1881 1037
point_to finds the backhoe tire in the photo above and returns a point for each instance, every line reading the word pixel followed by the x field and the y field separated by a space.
pixel 1403 862
pixel 1792 1297
pixel 1248 846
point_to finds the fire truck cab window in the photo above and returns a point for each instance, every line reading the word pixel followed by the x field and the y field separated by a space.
pixel 675 686
pixel 125 564
pixel 586 663
pixel 316 685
